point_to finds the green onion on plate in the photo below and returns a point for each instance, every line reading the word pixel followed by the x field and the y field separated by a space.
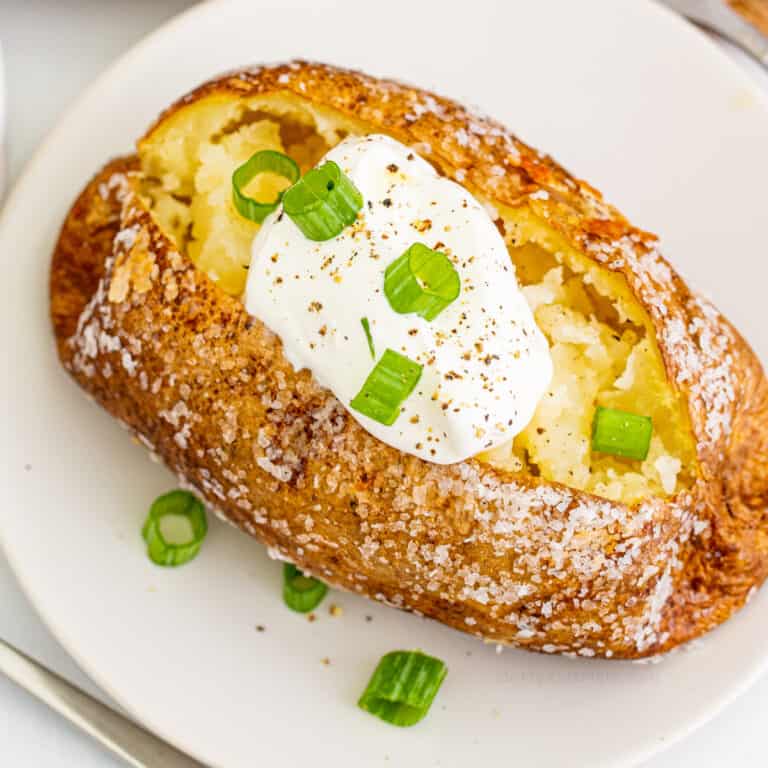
pixel 175 528
pixel 621 433
pixel 301 593
pixel 403 687
pixel 369 337
pixel 265 161
pixel 323 203
pixel 388 385
pixel 422 281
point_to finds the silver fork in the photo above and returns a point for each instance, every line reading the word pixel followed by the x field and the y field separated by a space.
pixel 718 17
pixel 121 736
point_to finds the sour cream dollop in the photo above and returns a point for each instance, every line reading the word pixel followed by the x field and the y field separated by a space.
pixel 485 362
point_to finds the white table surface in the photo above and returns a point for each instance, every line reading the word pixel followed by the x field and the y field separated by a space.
pixel 53 49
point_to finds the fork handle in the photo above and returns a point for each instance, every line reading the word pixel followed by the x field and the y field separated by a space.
pixel 121 736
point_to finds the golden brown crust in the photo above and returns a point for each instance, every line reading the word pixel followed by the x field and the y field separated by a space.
pixel 513 559
pixel 92 224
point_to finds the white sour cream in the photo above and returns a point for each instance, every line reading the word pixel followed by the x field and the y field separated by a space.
pixel 485 362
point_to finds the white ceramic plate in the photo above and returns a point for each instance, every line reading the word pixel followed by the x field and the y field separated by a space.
pixel 2 125
pixel 622 93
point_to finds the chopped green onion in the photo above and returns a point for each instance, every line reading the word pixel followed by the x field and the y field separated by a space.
pixel 422 281
pixel 367 328
pixel 403 687
pixel 393 378
pixel 175 528
pixel 301 593
pixel 266 161
pixel 621 433
pixel 323 203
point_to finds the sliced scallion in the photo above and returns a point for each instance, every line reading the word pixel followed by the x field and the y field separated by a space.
pixel 301 593
pixel 621 433
pixel 323 202
pixel 422 281
pixel 388 385
pixel 265 161
pixel 369 337
pixel 175 528
pixel 403 687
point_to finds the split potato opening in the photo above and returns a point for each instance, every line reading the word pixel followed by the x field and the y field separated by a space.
pixel 601 339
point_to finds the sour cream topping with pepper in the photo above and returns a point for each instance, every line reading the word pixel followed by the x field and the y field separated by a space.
pixel 485 363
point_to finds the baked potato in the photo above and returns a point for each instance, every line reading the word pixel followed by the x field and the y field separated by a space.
pixel 538 543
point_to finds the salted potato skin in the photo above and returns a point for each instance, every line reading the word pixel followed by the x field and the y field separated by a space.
pixel 508 557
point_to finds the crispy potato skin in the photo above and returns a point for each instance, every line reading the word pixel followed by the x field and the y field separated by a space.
pixel 512 559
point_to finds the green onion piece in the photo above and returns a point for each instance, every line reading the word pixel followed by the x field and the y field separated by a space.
pixel 187 512
pixel 403 687
pixel 367 328
pixel 393 378
pixel 621 433
pixel 323 203
pixel 262 162
pixel 301 593
pixel 422 281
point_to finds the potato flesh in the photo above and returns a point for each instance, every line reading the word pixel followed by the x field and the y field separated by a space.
pixel 601 341
pixel 590 360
